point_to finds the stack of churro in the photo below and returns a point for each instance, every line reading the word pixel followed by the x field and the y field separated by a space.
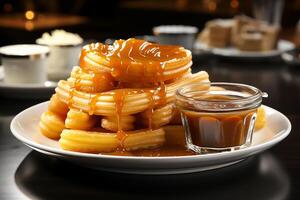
pixel 120 97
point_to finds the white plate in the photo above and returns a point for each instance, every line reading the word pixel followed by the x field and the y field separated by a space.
pixel 25 128
pixel 233 52
pixel 26 91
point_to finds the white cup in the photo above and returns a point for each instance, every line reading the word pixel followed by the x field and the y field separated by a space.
pixel 24 63
pixel 176 35
pixel 62 59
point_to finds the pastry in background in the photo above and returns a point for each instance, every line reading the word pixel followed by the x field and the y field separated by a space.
pixel 264 37
pixel 203 36
pixel 250 42
pixel 217 33
pixel 239 22
pixel 270 37
pixel 242 32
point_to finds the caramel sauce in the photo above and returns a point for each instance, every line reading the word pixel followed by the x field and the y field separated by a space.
pixel 98 80
pixel 74 87
pixel 118 96
pixel 82 62
pixel 161 92
pixel 71 95
pixel 162 87
pixel 151 56
pixel 166 150
pixel 149 111
pixel 93 47
pixel 218 129
pixel 119 100
pixel 124 55
pixel 93 102
pixel 102 82
pixel 77 81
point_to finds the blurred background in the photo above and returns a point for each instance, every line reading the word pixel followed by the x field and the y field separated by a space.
pixel 23 21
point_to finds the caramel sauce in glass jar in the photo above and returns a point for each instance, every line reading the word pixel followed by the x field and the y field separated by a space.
pixel 220 118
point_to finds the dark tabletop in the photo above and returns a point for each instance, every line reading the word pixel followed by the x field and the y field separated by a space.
pixel 274 174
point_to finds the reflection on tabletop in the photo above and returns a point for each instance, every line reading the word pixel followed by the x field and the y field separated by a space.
pixel 263 177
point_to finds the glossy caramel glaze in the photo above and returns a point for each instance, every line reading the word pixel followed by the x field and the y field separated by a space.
pixel 119 100
pixel 92 103
pixel 218 130
pixel 158 152
pixel 102 82
pixel 143 58
pixel 149 111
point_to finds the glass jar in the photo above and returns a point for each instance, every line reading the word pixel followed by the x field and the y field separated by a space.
pixel 218 116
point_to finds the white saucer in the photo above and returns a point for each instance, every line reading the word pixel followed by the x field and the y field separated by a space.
pixel 232 52
pixel 25 128
pixel 26 91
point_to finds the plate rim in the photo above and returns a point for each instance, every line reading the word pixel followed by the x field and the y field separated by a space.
pixel 245 54
pixel 257 148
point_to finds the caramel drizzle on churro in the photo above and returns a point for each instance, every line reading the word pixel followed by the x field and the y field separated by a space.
pixel 149 111
pixel 119 100
pixel 93 102
pixel 75 87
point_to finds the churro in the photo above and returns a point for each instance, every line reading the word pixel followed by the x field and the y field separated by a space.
pixel 120 97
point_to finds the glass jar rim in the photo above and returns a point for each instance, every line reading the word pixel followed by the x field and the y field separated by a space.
pixel 253 100
pixel 257 93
